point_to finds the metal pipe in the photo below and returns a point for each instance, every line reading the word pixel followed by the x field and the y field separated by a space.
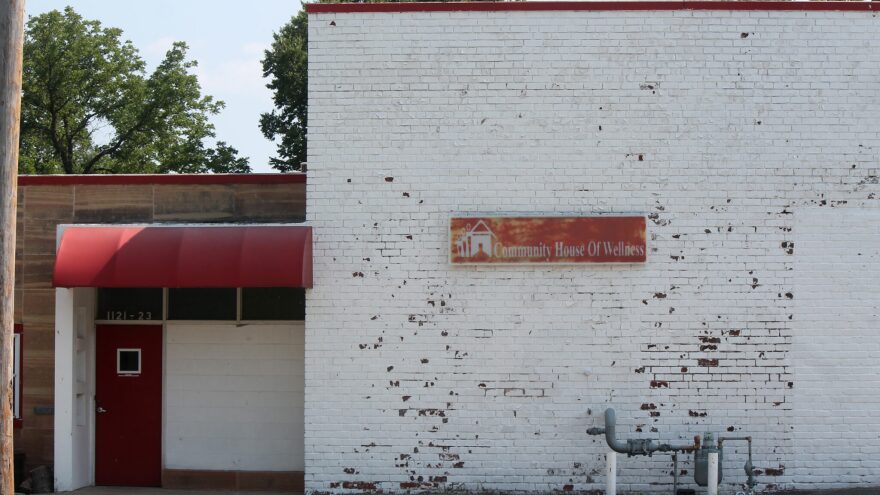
pixel 634 446
pixel 712 488
pixel 749 467
pixel 675 473
pixel 724 439
pixel 666 447
pixel 611 433
pixel 611 473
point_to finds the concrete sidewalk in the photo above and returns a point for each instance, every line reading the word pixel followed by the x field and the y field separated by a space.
pixel 841 491
pixel 120 490
pixel 114 490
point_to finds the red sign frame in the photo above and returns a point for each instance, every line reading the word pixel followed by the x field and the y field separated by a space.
pixel 553 240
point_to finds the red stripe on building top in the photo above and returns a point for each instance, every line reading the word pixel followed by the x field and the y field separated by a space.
pixel 182 179
pixel 317 8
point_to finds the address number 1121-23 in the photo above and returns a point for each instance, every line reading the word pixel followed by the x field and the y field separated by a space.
pixel 124 315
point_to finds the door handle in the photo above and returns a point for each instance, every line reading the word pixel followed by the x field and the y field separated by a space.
pixel 100 409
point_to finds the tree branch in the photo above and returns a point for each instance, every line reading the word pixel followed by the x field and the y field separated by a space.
pixel 66 162
pixel 120 140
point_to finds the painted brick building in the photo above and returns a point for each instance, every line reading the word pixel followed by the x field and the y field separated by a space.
pixel 369 342
pixel 749 136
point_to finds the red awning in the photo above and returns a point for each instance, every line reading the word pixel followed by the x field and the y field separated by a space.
pixel 203 256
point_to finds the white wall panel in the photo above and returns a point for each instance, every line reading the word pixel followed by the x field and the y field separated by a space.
pixel 835 353
pixel 234 397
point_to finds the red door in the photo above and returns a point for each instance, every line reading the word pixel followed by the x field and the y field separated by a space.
pixel 128 401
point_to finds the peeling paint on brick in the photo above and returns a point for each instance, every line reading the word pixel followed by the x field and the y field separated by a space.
pixel 730 180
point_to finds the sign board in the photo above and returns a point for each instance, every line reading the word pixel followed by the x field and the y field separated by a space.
pixel 596 239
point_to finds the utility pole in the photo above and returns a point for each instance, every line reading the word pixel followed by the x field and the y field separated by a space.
pixel 11 41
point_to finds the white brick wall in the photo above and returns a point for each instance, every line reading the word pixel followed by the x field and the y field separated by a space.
pixel 835 352
pixel 234 396
pixel 721 126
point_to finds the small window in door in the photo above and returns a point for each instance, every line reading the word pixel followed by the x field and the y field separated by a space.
pixel 128 361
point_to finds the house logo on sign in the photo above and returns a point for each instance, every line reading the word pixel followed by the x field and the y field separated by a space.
pixel 476 242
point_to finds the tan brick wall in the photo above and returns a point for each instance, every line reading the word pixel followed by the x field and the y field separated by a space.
pixel 41 208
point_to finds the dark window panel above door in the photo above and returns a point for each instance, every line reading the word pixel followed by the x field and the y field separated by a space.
pixel 202 304
pixel 129 304
pixel 273 303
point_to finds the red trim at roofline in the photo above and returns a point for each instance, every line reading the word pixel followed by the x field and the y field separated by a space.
pixel 339 8
pixel 180 179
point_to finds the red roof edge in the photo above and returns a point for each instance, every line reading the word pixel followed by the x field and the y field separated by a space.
pixel 180 179
pixel 339 8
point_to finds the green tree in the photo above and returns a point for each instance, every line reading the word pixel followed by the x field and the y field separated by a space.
pixel 286 62
pixel 88 105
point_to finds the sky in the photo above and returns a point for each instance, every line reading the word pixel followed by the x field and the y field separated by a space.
pixel 226 37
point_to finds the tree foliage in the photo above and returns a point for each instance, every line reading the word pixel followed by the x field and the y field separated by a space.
pixel 88 105
pixel 286 63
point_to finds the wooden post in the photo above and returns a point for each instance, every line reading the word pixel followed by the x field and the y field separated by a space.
pixel 11 40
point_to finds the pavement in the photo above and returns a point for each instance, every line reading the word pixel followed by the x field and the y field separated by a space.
pixel 117 490
pixel 113 490
pixel 842 491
